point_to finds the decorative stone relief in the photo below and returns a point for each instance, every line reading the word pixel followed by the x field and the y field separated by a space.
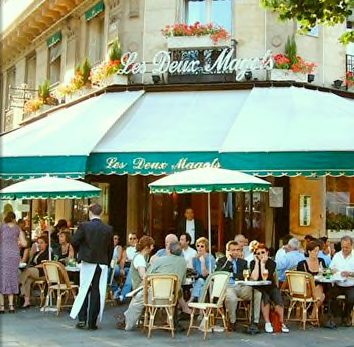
pixel 134 8
pixel 276 41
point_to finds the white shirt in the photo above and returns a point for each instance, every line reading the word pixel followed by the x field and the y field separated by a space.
pixel 131 250
pixel 339 263
pixel 190 229
pixel 139 261
pixel 189 254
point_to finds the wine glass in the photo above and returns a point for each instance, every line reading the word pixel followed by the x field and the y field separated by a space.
pixel 246 274
pixel 265 274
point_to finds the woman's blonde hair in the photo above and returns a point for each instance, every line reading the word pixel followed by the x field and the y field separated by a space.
pixel 204 241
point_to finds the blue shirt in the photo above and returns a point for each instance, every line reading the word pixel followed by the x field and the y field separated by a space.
pixel 287 262
pixel 161 252
pixel 209 261
pixel 327 259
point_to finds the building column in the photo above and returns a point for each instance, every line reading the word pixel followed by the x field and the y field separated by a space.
pixel 63 210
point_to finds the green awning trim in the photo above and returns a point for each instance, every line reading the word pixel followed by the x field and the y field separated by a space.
pixel 46 195
pixel 149 163
pixel 302 163
pixel 210 188
pixel 29 167
pixel 94 11
pixel 54 39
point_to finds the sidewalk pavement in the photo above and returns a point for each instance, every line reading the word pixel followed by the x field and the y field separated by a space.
pixel 27 328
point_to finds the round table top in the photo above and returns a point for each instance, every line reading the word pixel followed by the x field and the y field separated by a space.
pixel 254 283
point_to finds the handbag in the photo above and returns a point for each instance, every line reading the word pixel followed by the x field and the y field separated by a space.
pixel 275 320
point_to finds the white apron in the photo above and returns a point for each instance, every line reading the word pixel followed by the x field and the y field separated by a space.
pixel 86 275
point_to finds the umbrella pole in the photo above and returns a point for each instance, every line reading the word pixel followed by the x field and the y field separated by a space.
pixel 209 231
pixel 49 229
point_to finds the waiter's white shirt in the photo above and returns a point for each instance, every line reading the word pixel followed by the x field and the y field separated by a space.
pixel 190 229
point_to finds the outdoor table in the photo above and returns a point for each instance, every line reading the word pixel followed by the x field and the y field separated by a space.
pixel 253 328
pixel 72 268
pixel 22 266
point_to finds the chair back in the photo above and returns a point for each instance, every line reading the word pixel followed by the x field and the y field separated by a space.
pixel 161 289
pixel 301 284
pixel 216 285
pixel 56 273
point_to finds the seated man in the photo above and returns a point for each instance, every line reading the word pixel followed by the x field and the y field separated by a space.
pixel 235 292
pixel 188 252
pixel 290 260
pixel 343 263
pixel 164 251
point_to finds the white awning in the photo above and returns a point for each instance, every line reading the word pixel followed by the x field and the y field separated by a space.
pixel 60 143
pixel 292 131
pixel 163 128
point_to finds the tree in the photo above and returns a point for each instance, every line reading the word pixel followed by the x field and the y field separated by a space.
pixel 308 13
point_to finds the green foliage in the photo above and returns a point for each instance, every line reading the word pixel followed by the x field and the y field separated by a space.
pixel 115 51
pixel 86 71
pixel 309 13
pixel 44 90
pixel 339 222
pixel 291 50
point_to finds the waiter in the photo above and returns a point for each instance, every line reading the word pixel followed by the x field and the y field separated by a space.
pixel 94 242
pixel 194 227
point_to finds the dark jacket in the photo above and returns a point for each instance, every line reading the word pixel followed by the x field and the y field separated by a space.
pixel 94 242
pixel 302 266
pixel 199 228
pixel 42 257
pixel 225 265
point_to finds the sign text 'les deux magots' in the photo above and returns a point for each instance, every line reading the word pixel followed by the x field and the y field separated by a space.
pixel 141 164
pixel 225 63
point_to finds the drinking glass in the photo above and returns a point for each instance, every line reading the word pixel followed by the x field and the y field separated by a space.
pixel 265 274
pixel 246 274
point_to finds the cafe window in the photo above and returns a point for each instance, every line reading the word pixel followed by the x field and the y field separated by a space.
pixel 31 71
pixel 55 63
pixel 218 12
pixel 10 83
pixel 95 39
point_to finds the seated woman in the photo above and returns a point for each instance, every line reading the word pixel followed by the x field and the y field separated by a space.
pixel 263 265
pixel 65 250
pixel 313 265
pixel 117 265
pixel 202 263
pixel 35 270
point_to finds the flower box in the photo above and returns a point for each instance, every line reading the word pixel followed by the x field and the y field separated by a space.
pixel 338 234
pixel 287 75
pixel 77 94
pixel 177 42
pixel 115 79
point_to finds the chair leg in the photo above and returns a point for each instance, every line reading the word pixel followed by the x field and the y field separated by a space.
pixel 223 316
pixel 304 315
pixel 206 322
pixel 191 321
pixel 292 304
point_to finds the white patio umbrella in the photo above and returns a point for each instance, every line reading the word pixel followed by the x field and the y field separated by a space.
pixel 207 180
pixel 49 187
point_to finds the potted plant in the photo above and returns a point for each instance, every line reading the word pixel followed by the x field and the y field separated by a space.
pixel 196 35
pixel 290 66
pixel 32 106
pixel 110 72
pixel 79 85
pixel 339 225
pixel 45 94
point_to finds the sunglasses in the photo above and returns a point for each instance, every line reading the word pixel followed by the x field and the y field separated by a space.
pixel 201 246
pixel 259 253
pixel 132 238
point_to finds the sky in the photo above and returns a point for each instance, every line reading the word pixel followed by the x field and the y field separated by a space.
pixel 10 10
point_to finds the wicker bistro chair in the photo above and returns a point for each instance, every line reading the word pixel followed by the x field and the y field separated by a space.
pixel 302 293
pixel 58 281
pixel 160 293
pixel 41 285
pixel 211 302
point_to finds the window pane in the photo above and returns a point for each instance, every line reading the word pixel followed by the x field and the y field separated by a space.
pixel 221 13
pixel 196 12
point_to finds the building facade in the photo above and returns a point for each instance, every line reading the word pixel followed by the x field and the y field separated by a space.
pixel 50 38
